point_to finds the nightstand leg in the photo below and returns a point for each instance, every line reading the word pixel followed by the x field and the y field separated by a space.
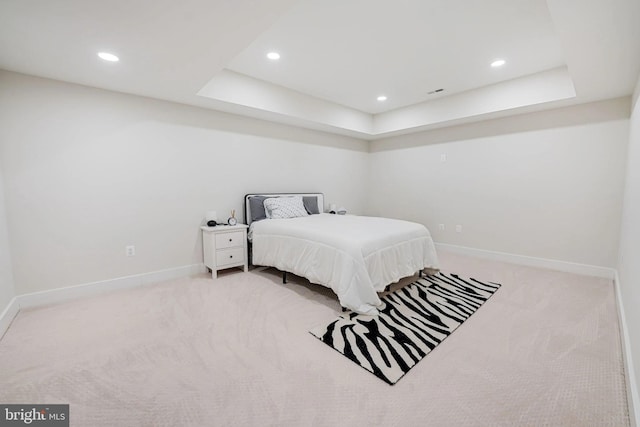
pixel 246 267
pixel 214 274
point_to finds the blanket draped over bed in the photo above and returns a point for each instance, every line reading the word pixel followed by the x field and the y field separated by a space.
pixel 355 256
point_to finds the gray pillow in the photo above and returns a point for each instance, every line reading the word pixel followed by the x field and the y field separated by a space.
pixel 256 205
pixel 311 204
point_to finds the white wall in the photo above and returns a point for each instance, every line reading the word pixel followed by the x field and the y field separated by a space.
pixel 629 262
pixel 546 185
pixel 7 291
pixel 88 172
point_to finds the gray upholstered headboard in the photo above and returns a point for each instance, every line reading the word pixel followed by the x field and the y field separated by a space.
pixel 247 205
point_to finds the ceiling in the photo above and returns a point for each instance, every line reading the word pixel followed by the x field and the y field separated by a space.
pixel 348 52
pixel 337 56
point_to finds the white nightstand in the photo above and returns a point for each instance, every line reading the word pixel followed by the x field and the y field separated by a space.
pixel 225 246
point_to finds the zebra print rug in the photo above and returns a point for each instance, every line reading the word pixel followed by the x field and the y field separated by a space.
pixel 412 321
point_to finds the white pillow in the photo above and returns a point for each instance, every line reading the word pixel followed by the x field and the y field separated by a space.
pixel 284 207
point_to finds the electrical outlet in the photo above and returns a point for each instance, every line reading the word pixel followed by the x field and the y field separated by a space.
pixel 458 228
pixel 441 227
pixel 443 157
pixel 130 250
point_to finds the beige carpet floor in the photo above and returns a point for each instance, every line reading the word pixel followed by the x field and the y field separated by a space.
pixel 543 351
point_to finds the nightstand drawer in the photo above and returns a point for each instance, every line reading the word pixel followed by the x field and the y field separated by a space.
pixel 230 256
pixel 229 240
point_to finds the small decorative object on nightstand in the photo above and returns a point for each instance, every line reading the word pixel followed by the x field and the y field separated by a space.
pixel 232 220
pixel 225 246
pixel 212 218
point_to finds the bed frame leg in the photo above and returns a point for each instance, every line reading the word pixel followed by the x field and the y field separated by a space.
pixel 284 277
pixel 386 289
pixel 420 274
pixel 343 309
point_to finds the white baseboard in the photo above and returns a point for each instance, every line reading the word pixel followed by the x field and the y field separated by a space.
pixel 72 292
pixel 7 316
pixel 633 393
pixel 551 264
pixel 63 294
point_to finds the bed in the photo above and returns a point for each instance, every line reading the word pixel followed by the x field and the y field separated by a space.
pixel 355 256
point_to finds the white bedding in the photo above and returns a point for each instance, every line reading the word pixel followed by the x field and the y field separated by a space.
pixel 355 256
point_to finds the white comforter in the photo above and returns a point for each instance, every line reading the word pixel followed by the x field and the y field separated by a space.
pixel 355 256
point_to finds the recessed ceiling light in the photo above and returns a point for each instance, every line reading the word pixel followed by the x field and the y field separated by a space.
pixel 274 56
pixel 108 57
pixel 381 98
pixel 498 63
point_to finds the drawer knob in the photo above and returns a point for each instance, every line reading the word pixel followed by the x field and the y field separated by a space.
pixel 231 240
pixel 230 256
